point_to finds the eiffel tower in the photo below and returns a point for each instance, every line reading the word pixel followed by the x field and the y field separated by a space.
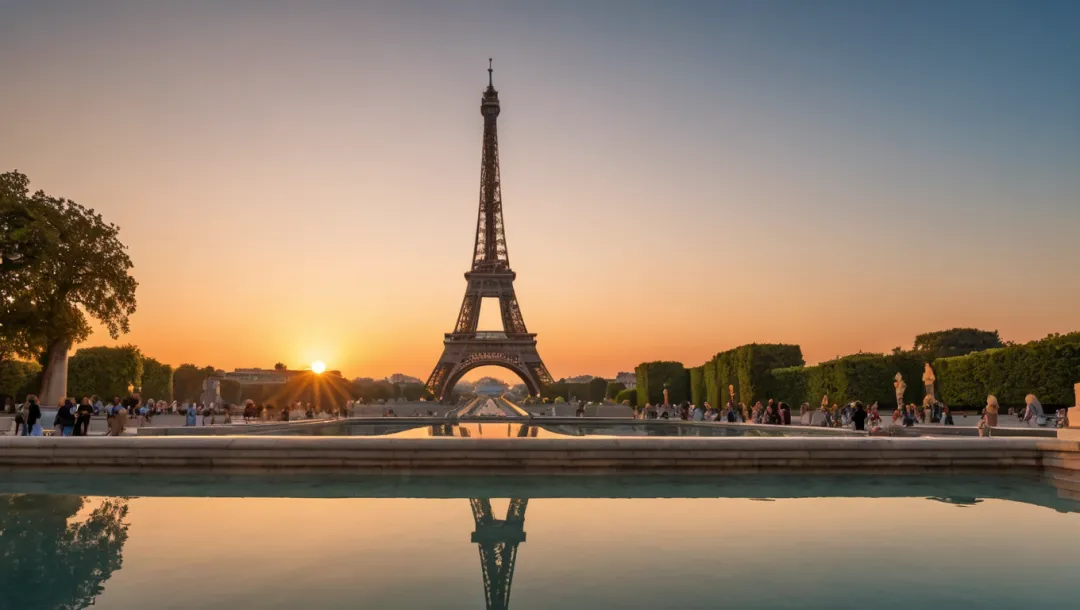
pixel 490 276
pixel 498 541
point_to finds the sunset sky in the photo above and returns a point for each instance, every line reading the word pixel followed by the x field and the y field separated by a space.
pixel 299 180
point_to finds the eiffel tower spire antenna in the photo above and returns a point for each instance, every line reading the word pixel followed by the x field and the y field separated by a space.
pixel 489 276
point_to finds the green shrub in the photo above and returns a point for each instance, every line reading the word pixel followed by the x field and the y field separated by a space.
pixel 628 397
pixel 652 377
pixel 1047 368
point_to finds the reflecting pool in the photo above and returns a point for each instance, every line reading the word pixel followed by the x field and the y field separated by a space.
pixel 526 429
pixel 145 541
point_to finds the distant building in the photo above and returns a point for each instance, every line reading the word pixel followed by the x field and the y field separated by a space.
pixel 580 379
pixel 627 379
pixel 489 386
pixel 257 375
pixel 400 378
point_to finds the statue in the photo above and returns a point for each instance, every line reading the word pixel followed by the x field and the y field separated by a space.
pixel 928 379
pixel 900 387
pixel 731 393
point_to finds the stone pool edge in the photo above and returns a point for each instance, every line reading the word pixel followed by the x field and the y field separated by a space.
pixel 1057 458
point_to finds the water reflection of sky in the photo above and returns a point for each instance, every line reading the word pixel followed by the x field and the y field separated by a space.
pixel 816 552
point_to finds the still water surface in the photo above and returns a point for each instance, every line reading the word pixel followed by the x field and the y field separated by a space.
pixel 725 542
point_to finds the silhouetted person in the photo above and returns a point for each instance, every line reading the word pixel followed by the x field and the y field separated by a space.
pixel 859 416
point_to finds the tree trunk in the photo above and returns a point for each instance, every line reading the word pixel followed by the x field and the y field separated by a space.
pixel 54 378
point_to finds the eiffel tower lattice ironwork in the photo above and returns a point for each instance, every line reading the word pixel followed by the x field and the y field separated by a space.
pixel 490 276
pixel 498 541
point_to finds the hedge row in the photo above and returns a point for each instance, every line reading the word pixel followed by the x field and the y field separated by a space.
pixel 630 395
pixel 748 369
pixel 865 377
pixel 697 385
pixel 652 377
pixel 592 391
pixel 1047 368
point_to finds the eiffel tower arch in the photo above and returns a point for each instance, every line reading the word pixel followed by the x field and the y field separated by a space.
pixel 490 276
pixel 498 541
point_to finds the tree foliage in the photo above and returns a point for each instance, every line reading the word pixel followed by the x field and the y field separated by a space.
pixel 597 389
pixel 17 379
pixel 52 559
pixel 956 342
pixel 105 371
pixel 60 262
pixel 613 388
pixel 156 380
pixel 188 380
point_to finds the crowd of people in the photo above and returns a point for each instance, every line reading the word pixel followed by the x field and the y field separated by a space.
pixel 854 415
pixel 73 416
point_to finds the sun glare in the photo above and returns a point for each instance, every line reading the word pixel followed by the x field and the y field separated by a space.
pixel 318 367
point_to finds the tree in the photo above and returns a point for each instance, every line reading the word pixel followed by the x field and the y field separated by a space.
pixel 105 371
pixel 613 388
pixel 73 266
pixel 188 380
pixel 956 342
pixel 54 558
pixel 156 380
pixel 280 366
pixel 597 387
pixel 17 378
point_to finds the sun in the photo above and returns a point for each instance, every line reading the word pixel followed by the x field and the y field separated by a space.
pixel 318 367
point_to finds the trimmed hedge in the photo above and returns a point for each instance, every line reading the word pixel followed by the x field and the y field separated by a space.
pixel 865 377
pixel 104 371
pixel 1047 368
pixel 630 394
pixel 712 389
pixel 749 369
pixel 652 376
pixel 697 385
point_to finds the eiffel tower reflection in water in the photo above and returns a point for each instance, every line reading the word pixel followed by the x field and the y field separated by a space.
pixel 498 541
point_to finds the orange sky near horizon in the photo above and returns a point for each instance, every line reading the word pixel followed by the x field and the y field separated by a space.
pixel 299 185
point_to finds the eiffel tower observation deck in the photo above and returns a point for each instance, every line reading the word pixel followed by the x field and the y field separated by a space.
pixel 490 276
